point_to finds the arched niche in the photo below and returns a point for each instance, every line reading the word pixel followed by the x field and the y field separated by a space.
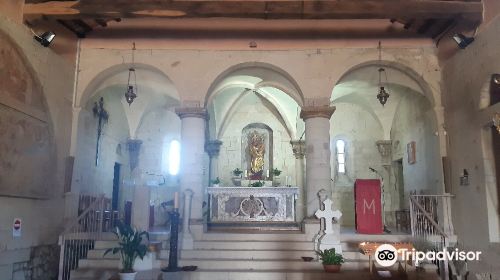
pixel 257 138
pixel 26 142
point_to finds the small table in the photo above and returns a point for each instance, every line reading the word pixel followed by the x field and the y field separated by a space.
pixel 369 248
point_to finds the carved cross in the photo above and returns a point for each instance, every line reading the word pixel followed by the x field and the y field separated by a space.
pixel 328 215
pixel 102 115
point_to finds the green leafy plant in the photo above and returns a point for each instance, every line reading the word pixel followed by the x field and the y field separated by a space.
pixel 130 246
pixel 216 181
pixel 257 184
pixel 329 256
pixel 276 172
pixel 237 172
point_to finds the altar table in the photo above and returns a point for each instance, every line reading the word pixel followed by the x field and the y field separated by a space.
pixel 248 204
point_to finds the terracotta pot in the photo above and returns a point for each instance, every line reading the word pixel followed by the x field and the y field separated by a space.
pixel 127 276
pixel 332 268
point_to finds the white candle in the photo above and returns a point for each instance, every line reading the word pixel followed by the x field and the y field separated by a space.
pixel 246 173
pixel 267 173
pixel 176 200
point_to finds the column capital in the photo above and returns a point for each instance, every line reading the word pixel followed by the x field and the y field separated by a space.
pixel 191 112
pixel 325 111
pixel 213 147
pixel 298 148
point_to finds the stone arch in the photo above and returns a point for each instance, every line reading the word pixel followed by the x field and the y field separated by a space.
pixel 408 71
pixel 292 88
pixel 96 82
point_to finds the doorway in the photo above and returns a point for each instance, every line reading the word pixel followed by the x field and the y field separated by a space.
pixel 116 187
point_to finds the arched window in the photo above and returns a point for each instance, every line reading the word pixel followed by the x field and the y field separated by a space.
pixel 340 145
pixel 174 157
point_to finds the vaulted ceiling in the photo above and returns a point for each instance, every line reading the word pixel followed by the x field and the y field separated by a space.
pixel 404 18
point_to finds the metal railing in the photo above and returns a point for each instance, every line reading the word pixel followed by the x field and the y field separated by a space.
pixel 80 235
pixel 430 217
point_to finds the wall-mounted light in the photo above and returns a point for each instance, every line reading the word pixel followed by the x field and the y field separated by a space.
pixel 462 40
pixel 45 39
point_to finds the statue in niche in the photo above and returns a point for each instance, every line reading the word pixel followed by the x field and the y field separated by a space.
pixel 257 148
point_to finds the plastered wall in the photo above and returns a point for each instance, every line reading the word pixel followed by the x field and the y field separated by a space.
pixel 42 218
pixel 463 77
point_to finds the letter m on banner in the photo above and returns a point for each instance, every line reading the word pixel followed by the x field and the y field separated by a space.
pixel 367 195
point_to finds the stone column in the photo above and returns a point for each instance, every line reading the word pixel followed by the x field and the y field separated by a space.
pixel 213 148
pixel 299 150
pixel 140 201
pixel 389 195
pixel 318 169
pixel 187 237
pixel 192 156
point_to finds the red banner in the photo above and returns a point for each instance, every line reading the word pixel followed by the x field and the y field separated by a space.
pixel 368 206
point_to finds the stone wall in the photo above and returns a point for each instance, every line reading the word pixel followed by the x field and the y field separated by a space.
pixel 475 219
pixel 415 121
pixel 42 218
pixel 360 131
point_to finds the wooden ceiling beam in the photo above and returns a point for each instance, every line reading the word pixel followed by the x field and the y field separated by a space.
pixel 281 9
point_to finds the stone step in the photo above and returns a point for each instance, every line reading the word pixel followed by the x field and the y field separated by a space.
pixel 86 274
pixel 243 264
pixel 111 263
pixel 238 254
pixel 256 254
pixel 254 245
pixel 105 274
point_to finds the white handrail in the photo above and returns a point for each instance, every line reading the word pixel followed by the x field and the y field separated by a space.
pixel 431 222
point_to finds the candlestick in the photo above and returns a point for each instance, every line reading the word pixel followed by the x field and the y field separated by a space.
pixel 176 200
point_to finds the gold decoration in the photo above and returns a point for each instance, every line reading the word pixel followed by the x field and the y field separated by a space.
pixel 257 149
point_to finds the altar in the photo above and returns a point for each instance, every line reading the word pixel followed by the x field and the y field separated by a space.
pixel 247 204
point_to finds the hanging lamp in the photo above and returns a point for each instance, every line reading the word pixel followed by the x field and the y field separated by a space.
pixel 131 92
pixel 382 95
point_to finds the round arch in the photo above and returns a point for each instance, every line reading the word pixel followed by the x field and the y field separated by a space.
pixel 406 70
pixel 93 86
pixel 285 83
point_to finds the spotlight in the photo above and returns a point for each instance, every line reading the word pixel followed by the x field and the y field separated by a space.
pixel 462 40
pixel 46 38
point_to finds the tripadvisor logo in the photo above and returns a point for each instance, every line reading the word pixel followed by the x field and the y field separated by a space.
pixel 387 255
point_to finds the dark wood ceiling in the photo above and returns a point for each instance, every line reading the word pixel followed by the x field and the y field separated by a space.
pixel 429 18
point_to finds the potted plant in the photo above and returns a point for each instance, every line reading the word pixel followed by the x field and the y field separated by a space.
pixel 276 176
pixel 130 247
pixel 216 182
pixel 257 184
pixel 237 176
pixel 331 260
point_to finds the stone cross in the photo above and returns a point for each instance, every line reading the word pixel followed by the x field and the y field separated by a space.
pixel 328 215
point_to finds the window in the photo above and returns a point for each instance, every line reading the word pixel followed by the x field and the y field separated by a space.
pixel 174 157
pixel 340 144
pixel 171 157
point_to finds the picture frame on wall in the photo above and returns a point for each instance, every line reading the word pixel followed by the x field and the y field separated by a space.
pixel 410 149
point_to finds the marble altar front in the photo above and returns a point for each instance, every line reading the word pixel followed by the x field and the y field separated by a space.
pixel 246 204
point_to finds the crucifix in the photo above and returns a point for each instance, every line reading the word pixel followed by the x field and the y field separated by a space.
pixel 102 115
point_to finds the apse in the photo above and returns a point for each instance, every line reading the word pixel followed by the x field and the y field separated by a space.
pixel 254 101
